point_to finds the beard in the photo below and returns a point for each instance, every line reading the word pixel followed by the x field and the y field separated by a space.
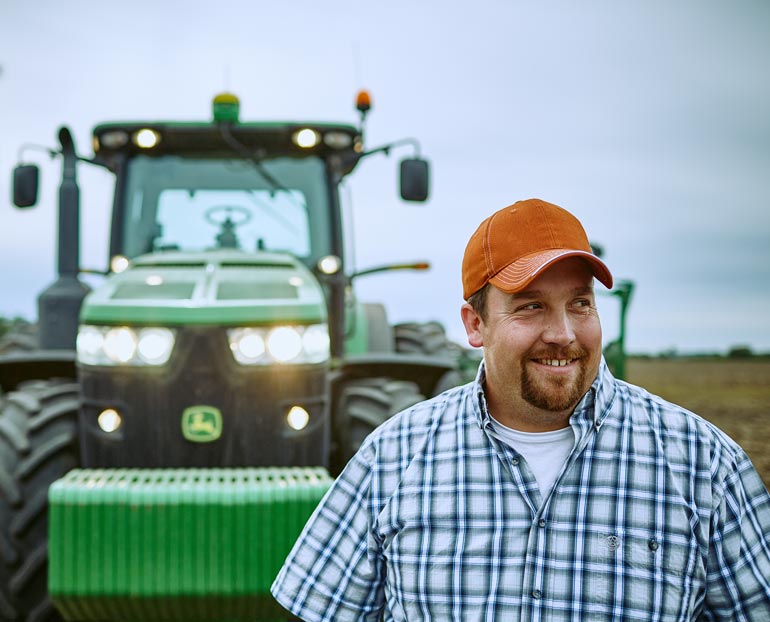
pixel 557 394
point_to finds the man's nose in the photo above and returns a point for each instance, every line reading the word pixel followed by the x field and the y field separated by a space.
pixel 558 329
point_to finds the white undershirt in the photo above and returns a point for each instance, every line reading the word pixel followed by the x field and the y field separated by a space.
pixel 545 452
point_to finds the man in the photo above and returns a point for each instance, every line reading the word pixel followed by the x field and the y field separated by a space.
pixel 546 489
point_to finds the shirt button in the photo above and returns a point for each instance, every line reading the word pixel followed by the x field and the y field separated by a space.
pixel 541 522
pixel 653 545
pixel 515 461
pixel 536 594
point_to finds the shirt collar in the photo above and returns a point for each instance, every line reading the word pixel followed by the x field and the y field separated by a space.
pixel 593 408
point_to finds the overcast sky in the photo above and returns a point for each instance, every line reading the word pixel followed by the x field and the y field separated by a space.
pixel 650 120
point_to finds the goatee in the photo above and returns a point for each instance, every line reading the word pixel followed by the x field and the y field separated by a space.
pixel 558 393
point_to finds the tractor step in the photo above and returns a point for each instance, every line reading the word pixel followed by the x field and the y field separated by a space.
pixel 175 544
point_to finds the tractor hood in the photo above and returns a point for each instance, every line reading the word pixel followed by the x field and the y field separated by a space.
pixel 223 287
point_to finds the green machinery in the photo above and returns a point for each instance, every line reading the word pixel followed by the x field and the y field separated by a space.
pixel 184 416
pixel 162 448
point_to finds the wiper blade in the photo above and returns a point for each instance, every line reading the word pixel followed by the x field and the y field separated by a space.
pixel 270 210
pixel 244 152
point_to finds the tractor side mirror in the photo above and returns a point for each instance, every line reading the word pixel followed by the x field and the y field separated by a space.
pixel 25 184
pixel 414 179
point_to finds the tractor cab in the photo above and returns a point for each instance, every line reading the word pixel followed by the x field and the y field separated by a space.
pixel 225 184
pixel 253 186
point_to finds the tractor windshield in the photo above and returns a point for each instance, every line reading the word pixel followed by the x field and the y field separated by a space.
pixel 193 204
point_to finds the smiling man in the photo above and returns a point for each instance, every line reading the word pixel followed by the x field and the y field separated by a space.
pixel 546 489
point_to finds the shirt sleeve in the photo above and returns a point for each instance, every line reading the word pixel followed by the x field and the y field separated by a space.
pixel 738 582
pixel 335 570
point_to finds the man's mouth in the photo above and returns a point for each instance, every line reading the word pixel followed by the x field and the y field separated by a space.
pixel 555 362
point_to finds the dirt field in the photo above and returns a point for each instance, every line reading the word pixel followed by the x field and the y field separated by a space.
pixel 734 394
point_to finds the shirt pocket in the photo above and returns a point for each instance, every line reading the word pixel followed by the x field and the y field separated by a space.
pixel 641 574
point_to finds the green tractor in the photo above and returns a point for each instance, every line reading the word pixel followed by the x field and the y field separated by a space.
pixel 162 448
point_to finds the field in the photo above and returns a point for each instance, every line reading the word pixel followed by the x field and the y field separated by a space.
pixel 734 394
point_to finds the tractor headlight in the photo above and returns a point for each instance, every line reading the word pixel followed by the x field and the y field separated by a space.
pixel 315 342
pixel 280 344
pixel 306 138
pixel 284 343
pixel 146 138
pixel 154 345
pixel 121 345
pixel 247 345
pixel 90 344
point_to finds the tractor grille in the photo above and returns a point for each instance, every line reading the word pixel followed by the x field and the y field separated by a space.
pixel 175 544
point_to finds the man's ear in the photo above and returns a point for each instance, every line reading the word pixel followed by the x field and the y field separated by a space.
pixel 474 325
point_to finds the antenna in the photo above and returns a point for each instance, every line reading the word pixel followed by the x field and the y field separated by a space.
pixel 226 77
pixel 357 70
pixel 363 99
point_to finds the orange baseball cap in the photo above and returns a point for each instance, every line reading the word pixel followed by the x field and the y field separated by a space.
pixel 515 244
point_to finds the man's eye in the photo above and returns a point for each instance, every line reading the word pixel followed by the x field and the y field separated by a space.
pixel 583 303
pixel 532 306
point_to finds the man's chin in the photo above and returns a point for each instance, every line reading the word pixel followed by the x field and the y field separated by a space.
pixel 554 394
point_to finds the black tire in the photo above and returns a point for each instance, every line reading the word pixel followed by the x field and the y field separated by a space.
pixel 426 338
pixel 38 444
pixel 366 403
pixel 430 339
pixel 21 336
pixel 448 380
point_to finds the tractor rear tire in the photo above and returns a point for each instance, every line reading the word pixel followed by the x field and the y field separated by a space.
pixel 365 404
pixel 38 445
pixel 427 338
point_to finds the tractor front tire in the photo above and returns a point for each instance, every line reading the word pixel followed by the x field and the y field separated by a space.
pixel 366 403
pixel 21 337
pixel 38 445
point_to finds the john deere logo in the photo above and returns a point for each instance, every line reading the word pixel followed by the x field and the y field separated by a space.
pixel 201 424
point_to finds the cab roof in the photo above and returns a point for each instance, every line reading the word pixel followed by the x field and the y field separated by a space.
pixel 207 138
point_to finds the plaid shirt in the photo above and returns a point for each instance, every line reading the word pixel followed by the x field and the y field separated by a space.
pixel 656 515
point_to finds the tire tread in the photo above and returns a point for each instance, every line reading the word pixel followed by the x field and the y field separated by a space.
pixel 38 444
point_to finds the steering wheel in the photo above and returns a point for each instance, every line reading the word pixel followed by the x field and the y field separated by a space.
pixel 244 215
pixel 227 238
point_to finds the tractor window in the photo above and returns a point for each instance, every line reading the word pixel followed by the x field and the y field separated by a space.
pixel 246 219
pixel 191 204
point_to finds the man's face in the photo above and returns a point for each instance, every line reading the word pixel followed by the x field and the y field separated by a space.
pixel 542 347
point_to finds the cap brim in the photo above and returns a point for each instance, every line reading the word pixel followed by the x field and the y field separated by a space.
pixel 519 274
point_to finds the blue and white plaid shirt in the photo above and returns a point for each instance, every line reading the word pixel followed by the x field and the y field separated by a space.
pixel 656 515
